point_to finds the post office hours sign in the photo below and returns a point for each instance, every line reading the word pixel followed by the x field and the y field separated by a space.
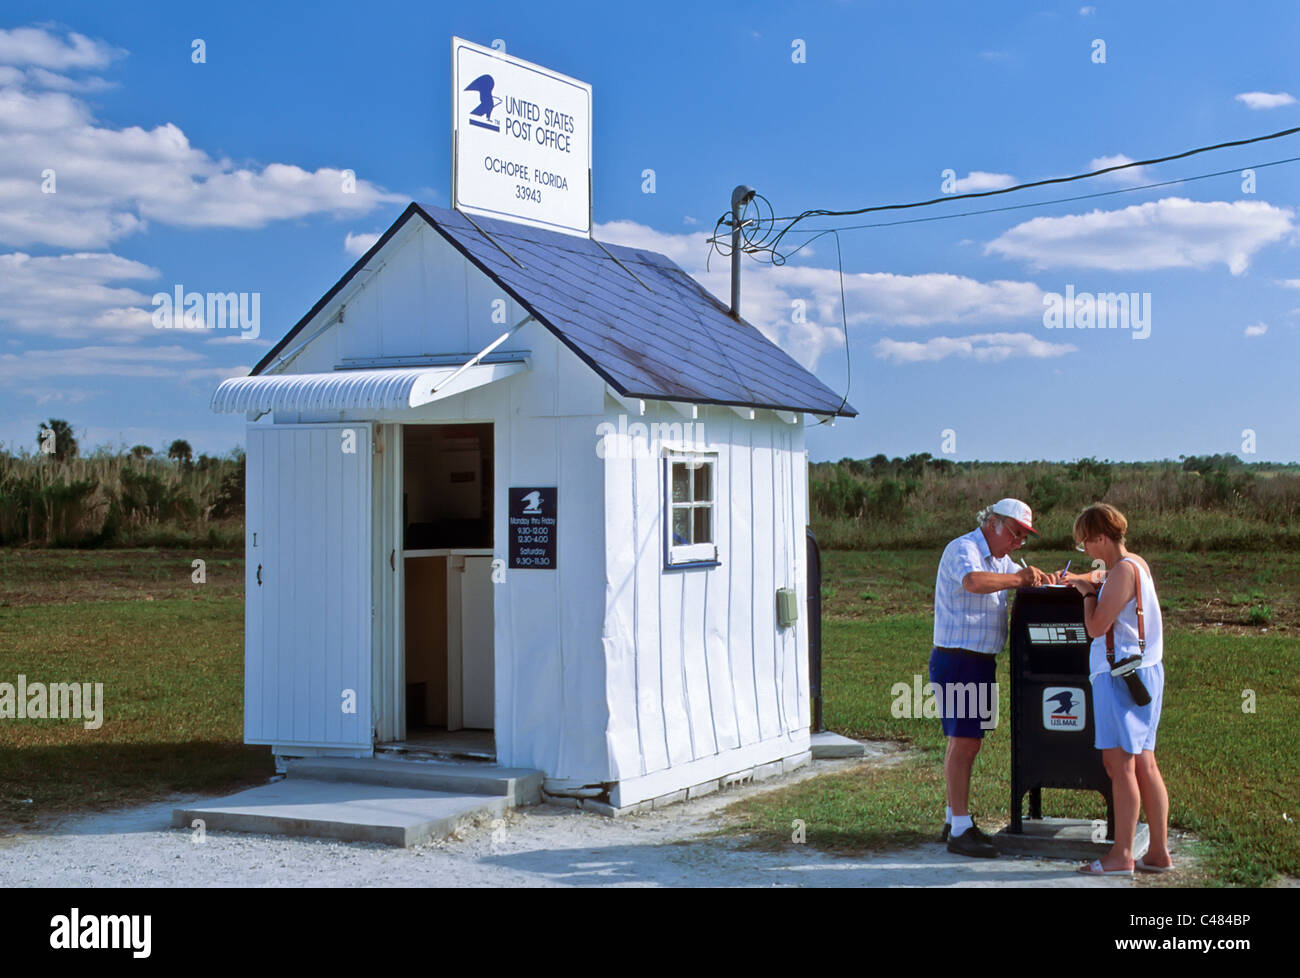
pixel 532 528
pixel 522 140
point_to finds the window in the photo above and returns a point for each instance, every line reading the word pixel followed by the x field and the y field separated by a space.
pixel 691 505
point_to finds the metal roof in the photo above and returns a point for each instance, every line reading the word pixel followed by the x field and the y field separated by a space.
pixel 389 389
pixel 666 339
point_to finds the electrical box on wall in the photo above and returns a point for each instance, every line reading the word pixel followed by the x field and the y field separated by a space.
pixel 787 606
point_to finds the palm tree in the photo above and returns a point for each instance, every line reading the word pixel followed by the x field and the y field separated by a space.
pixel 181 451
pixel 62 446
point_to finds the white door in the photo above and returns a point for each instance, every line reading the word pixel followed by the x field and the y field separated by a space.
pixel 476 632
pixel 307 630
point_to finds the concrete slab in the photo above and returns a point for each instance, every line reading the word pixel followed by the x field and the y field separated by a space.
pixel 1063 838
pixel 339 810
pixel 519 786
pixel 829 745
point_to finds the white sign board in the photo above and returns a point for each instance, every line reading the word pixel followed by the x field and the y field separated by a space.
pixel 522 141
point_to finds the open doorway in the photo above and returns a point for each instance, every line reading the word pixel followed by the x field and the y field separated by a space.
pixel 447 497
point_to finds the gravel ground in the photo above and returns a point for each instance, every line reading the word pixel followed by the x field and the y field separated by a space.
pixel 544 845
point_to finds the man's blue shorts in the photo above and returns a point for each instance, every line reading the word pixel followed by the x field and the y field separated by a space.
pixel 959 668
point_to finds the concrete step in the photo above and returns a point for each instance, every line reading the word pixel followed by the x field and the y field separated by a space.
pixel 395 816
pixel 518 785
pixel 433 752
pixel 1065 838
pixel 826 745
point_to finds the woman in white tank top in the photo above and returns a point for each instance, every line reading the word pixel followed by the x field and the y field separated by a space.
pixel 1126 624
pixel 1125 733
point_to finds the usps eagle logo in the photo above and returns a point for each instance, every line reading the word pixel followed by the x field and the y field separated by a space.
pixel 1064 701
pixel 1064 708
pixel 481 114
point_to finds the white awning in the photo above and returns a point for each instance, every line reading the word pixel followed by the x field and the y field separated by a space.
pixel 391 389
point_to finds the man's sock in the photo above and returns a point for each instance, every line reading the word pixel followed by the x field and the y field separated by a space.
pixel 947 814
pixel 960 823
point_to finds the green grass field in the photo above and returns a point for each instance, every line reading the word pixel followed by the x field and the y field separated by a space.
pixel 170 655
pixel 1233 777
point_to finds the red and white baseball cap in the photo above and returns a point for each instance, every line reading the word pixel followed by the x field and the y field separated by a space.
pixel 1016 510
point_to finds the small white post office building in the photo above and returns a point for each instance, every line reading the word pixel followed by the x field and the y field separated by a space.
pixel 572 542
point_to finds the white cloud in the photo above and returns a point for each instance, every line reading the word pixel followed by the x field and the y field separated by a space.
pixel 40 47
pixel 108 182
pixel 1265 100
pixel 1132 176
pixel 162 362
pixel 1169 233
pixel 978 180
pixel 927 299
pixel 69 182
pixel 983 347
pixel 689 250
pixel 37 78
pixel 75 296
pixel 1259 329
pixel 216 375
pixel 69 376
pixel 240 337
pixel 40 78
pixel 873 299
pixel 1290 283
pixel 1087 11
pixel 358 244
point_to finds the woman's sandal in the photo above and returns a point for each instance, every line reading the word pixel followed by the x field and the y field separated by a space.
pixel 1094 868
pixel 1148 868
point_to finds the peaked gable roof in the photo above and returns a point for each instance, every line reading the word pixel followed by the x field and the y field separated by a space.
pixel 671 341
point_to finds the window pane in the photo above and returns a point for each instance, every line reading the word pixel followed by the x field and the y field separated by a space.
pixel 681 526
pixel 703 483
pixel 703 524
pixel 681 483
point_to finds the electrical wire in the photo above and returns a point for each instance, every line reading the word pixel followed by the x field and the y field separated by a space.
pixel 820 232
pixel 1066 200
pixel 761 236
pixel 844 316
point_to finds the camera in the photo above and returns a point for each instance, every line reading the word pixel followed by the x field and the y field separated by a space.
pixel 1126 669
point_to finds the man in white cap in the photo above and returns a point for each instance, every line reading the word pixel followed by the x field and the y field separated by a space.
pixel 970 629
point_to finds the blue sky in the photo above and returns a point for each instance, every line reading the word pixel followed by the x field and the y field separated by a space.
pixel 223 176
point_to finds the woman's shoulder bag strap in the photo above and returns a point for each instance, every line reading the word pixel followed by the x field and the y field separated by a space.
pixel 1110 632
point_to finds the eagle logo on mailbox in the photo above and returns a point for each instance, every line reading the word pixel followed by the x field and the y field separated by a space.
pixel 1064 708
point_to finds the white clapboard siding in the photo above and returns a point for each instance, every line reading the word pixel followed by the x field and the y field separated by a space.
pixel 697 665
pixel 308 627
pixel 551 711
pixel 763 597
pixel 740 578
